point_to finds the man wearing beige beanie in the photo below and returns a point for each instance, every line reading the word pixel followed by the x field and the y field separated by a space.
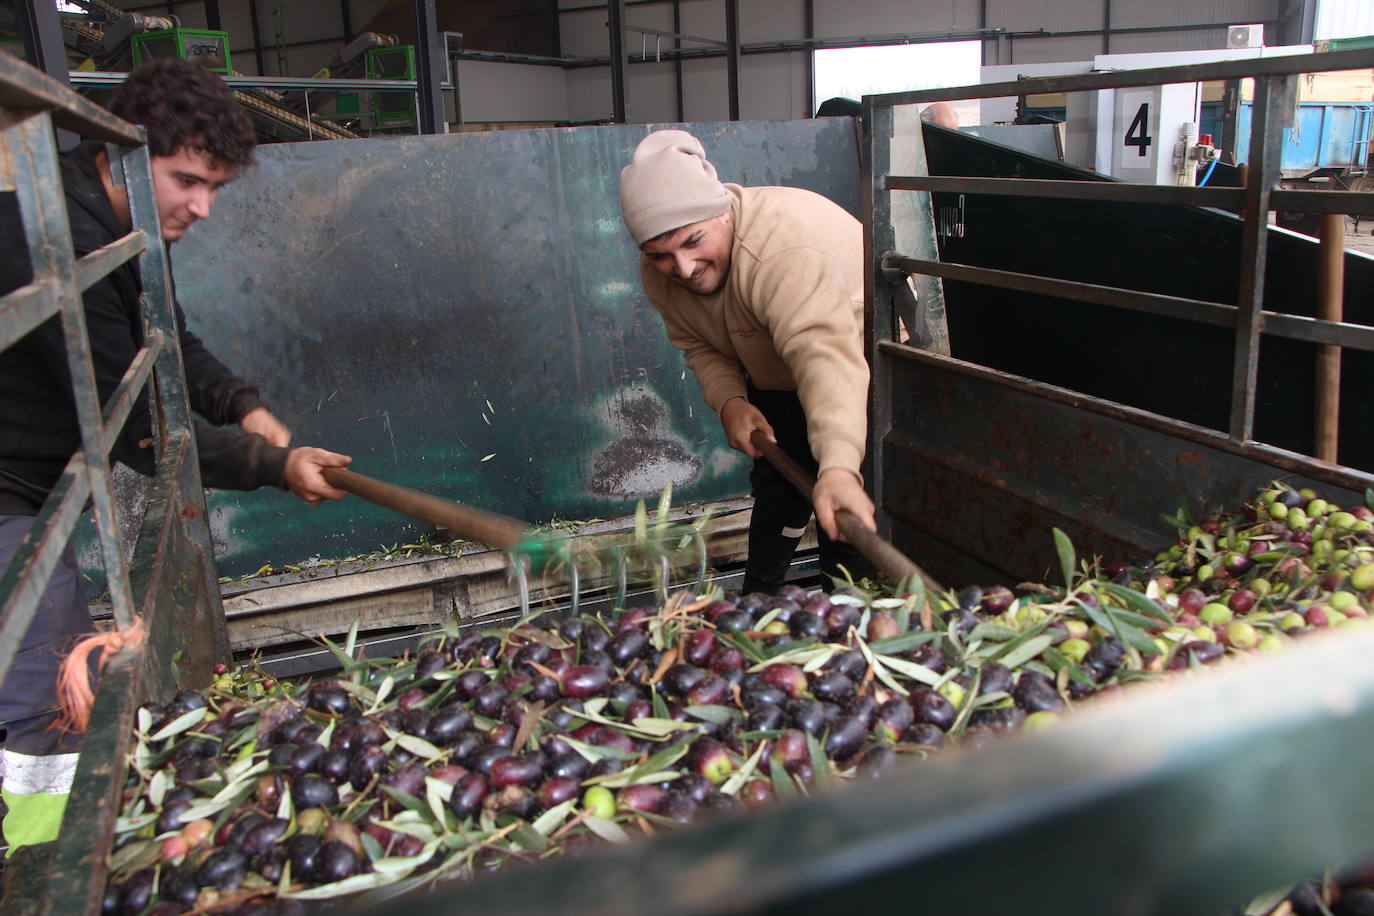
pixel 762 290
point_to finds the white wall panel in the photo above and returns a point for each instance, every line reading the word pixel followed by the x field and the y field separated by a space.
pixel 1200 40
pixel 589 94
pixel 512 92
pixel 583 34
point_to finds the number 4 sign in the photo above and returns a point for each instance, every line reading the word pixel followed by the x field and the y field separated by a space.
pixel 1135 130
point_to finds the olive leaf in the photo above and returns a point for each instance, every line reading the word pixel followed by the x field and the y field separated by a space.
pixel 783 786
pixel 342 888
pixel 879 669
pixel 351 641
pixel 820 764
pixel 553 818
pixel 895 645
pixel 716 715
pixel 1026 651
pixel 527 838
pixel 383 691
pixel 607 830
pixel 1067 560
pixel 1139 602
pixel 740 776
pixel 910 669
pixel 595 752
pixel 371 847
pixel 180 724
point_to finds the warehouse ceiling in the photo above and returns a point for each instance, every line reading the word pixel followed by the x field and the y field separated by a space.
pixel 513 26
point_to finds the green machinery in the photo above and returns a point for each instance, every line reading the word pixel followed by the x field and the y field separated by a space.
pixel 396 63
pixel 209 47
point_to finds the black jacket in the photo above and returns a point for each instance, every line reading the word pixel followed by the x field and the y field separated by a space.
pixel 38 426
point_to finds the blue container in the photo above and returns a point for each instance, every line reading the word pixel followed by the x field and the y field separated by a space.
pixel 1328 136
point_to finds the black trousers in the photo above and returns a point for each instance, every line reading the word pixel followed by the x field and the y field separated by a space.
pixel 28 697
pixel 780 510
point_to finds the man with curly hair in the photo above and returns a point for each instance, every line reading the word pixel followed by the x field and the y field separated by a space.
pixel 199 140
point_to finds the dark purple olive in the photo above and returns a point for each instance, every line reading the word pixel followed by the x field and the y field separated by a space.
pixel 996 678
pixel 736 621
pixel 534 653
pixel 605 767
pixel 1035 694
pixel 806 714
pixel 1103 659
pixel 877 761
pixel 469 682
pixel 409 779
pixel 863 708
pixel 1200 649
pixel 594 638
pixel 557 789
pixel 271 864
pixel 367 734
pixel 785 607
pixel 894 717
pixel 239 829
pixel 970 597
pixel 333 765
pixel 932 708
pixel 468 795
pixel 1001 719
pixel 303 850
pixel 489 700
pixel 924 733
pixel 851 664
pixel 696 786
pixel 514 770
pixel 486 651
pixel 280 756
pixel 756 692
pixel 416 721
pixel 678 806
pixel 306 758
pixel 570 765
pixel 754 603
pixel 698 648
pixel 313 791
pixel 681 678
pixel 627 646
pixel 336 861
pixel 622 694
pixel 224 868
pixel 765 717
pixel 327 697
pixel 137 892
pixel 366 764
pixel 170 818
pixel 264 836
pixel 928 655
pixel 846 736
pixel 581 681
pixel 179 885
pixel 288 731
pixel 805 625
pixel 468 743
pixel 544 689
pixel 712 690
pixel 832 686
pixel 427 663
pixel 720 803
pixel 446 724
pixel 482 760
pixel 595 658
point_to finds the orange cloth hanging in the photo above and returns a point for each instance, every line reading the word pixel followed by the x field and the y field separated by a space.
pixel 74 676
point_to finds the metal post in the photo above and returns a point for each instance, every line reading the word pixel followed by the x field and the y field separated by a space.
pixel 677 59
pixel 809 26
pixel 347 16
pixel 257 35
pixel 1274 99
pixel 615 23
pixel 732 55
pixel 429 69
pixel 1106 26
pixel 41 30
pixel 1330 292
pixel 212 20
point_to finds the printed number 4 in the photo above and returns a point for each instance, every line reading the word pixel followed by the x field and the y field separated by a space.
pixel 1138 135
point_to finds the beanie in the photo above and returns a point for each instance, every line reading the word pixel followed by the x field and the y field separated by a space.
pixel 669 184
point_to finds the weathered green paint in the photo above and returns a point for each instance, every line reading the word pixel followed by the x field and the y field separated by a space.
pixel 382 292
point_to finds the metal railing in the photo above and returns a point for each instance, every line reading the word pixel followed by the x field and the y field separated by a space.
pixel 900 234
pixel 30 105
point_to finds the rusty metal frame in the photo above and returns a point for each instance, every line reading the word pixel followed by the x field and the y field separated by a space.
pixel 1275 86
pixel 30 105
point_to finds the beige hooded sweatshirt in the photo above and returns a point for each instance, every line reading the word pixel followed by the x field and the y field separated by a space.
pixel 790 316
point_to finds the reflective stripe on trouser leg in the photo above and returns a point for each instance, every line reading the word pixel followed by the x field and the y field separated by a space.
pixel 35 791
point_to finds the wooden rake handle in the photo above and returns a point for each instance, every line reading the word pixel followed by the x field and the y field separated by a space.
pixel 883 555
pixel 464 521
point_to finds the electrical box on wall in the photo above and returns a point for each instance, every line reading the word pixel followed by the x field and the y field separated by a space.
pixel 1147 125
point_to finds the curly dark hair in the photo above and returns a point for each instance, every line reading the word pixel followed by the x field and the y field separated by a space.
pixel 182 104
